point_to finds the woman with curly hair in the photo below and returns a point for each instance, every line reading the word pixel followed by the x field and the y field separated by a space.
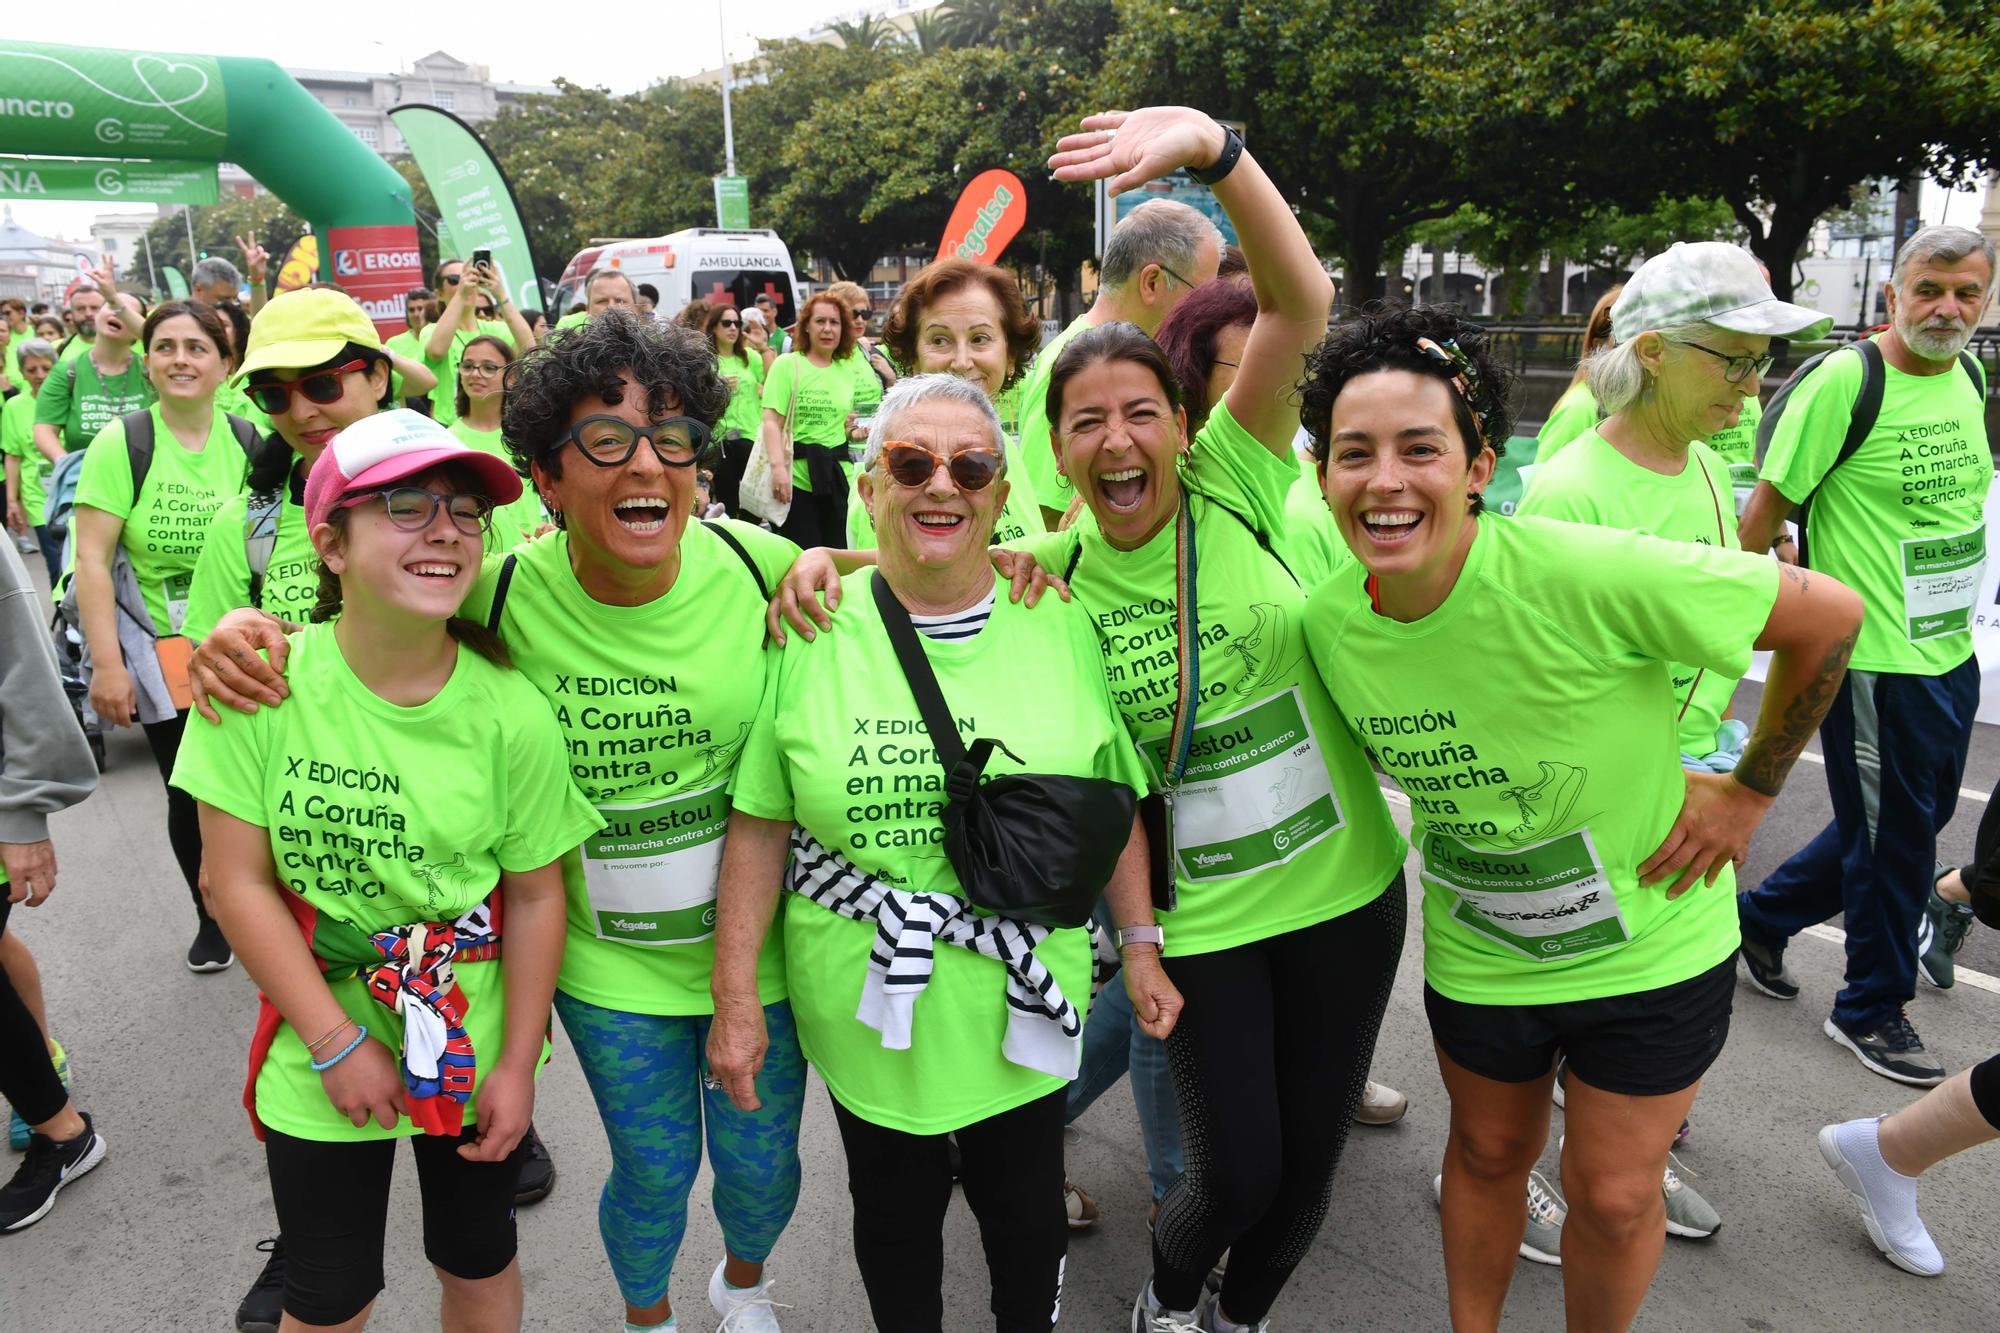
pixel 635 601
pixel 1513 675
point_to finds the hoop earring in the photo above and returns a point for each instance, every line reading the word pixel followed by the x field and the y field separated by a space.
pixel 1063 482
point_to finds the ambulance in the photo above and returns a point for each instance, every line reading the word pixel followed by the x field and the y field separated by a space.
pixel 728 267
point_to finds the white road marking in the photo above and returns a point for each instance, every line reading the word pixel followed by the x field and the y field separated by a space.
pixel 1964 793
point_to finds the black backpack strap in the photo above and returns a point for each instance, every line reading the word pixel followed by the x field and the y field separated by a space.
pixel 139 446
pixel 1867 404
pixel 247 438
pixel 1075 559
pixel 917 671
pixel 1970 364
pixel 729 538
pixel 500 594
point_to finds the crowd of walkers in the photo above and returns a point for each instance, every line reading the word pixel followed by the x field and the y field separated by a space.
pixel 750 700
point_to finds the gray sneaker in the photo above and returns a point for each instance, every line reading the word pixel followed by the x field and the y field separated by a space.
pixel 1543 1242
pixel 1148 1316
pixel 1892 1050
pixel 1688 1214
pixel 1940 932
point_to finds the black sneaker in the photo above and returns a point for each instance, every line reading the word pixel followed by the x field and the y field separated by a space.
pixel 27 1198
pixel 264 1304
pixel 210 952
pixel 1892 1050
pixel 538 1171
pixel 1764 967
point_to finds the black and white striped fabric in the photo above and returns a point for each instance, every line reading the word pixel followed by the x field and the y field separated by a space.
pixel 956 626
pixel 1044 1030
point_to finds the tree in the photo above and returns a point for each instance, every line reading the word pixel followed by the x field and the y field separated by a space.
pixel 870 32
pixel 1780 108
pixel 1321 88
pixel 972 22
pixel 216 227
pixel 930 32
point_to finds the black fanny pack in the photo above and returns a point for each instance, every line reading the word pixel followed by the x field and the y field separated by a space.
pixel 1038 847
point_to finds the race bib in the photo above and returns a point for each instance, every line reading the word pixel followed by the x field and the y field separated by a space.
pixel 651 871
pixel 1545 902
pixel 1256 792
pixel 1742 481
pixel 175 587
pixel 1941 583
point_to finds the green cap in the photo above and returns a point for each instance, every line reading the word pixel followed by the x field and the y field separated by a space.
pixel 305 328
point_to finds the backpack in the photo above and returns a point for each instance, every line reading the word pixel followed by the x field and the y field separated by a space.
pixel 64 475
pixel 1867 408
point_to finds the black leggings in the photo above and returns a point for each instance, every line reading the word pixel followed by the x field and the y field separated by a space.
pixel 1269 1060
pixel 27 1076
pixel 818 517
pixel 333 1209
pixel 183 817
pixel 1012 1170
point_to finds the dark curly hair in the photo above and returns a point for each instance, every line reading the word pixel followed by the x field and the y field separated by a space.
pixel 1021 329
pixel 1387 340
pixel 543 388
pixel 1189 334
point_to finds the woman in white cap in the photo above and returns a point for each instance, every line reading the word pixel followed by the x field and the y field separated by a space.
pixel 367 902
pixel 1513 676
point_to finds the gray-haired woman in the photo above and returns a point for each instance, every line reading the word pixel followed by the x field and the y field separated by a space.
pixel 980 1036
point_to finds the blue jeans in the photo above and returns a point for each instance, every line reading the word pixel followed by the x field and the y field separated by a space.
pixel 1112 1045
pixel 1876 861
pixel 51 546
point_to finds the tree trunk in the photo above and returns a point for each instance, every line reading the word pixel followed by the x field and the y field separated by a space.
pixel 1361 256
pixel 1780 245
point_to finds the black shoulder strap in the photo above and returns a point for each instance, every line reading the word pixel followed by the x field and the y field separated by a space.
pixel 917 671
pixel 247 438
pixel 1075 559
pixel 1970 363
pixel 500 594
pixel 728 537
pixel 1867 405
pixel 139 446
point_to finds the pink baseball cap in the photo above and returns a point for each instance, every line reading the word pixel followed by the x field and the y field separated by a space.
pixel 389 447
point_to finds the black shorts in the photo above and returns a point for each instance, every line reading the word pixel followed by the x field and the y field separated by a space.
pixel 333 1208
pixel 1646 1044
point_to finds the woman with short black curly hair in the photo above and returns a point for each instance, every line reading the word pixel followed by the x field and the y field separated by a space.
pixel 1513 676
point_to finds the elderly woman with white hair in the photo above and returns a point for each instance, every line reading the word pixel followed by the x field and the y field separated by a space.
pixel 935 994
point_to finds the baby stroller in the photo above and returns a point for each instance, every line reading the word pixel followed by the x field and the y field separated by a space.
pixel 68 638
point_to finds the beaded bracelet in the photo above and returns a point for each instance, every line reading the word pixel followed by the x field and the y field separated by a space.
pixel 361 1035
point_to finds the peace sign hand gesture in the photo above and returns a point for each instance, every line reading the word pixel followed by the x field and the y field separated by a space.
pixel 1133 147
pixel 255 257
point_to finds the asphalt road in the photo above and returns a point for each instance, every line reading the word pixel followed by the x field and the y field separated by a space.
pixel 160 1236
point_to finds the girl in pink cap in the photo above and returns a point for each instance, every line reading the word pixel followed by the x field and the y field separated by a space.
pixel 358 843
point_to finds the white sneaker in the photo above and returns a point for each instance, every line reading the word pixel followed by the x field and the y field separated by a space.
pixel 1380 1105
pixel 1888 1200
pixel 1148 1316
pixel 743 1309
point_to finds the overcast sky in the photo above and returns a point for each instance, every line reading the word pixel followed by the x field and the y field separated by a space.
pixel 521 42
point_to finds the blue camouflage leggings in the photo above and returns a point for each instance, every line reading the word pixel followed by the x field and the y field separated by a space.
pixel 647 1073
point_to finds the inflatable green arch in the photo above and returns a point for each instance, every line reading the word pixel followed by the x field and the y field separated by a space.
pixel 122 105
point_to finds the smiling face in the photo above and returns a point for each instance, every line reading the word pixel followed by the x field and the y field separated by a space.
pixel 936 525
pixel 393 575
pixel 182 362
pixel 481 372
pixel 961 333
pixel 308 426
pixel 1119 441
pixel 1396 478
pixel 625 522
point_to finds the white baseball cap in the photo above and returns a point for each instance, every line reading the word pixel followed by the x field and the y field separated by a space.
pixel 1713 282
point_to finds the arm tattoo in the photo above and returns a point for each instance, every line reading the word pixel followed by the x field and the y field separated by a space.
pixel 1770 757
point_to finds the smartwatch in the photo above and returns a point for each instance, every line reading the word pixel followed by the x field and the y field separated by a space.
pixel 1152 935
pixel 1225 161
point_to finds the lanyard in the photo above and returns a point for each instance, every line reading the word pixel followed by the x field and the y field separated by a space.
pixel 1187 644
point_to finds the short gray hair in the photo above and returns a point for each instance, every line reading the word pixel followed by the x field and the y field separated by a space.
pixel 215 269
pixel 591 278
pixel 914 390
pixel 1945 244
pixel 1618 380
pixel 1160 231
pixel 41 347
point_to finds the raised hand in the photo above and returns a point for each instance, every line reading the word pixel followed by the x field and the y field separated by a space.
pixel 1129 148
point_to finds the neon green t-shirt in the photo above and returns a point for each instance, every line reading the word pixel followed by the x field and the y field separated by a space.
pixel 1036 448
pixel 1574 413
pixel 655 703
pixel 72 348
pixel 1902 522
pixel 1736 446
pixel 1591 482
pixel 839 748
pixel 867 384
pixel 825 397
pixel 409 343
pixel 1278 824
pixel 166 524
pixel 444 398
pixel 1315 537
pixel 232 399
pixel 380 816
pixel 517 521
pixel 222 573
pixel 745 413
pixel 14 376
pixel 1530 721
pixel 17 437
pixel 85 406
pixel 1019 518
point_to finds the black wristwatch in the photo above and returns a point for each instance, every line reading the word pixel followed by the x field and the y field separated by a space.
pixel 1225 161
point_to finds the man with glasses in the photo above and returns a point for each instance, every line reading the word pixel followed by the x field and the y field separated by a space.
pixel 1899 518
pixel 1157 254
pixel 475 302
